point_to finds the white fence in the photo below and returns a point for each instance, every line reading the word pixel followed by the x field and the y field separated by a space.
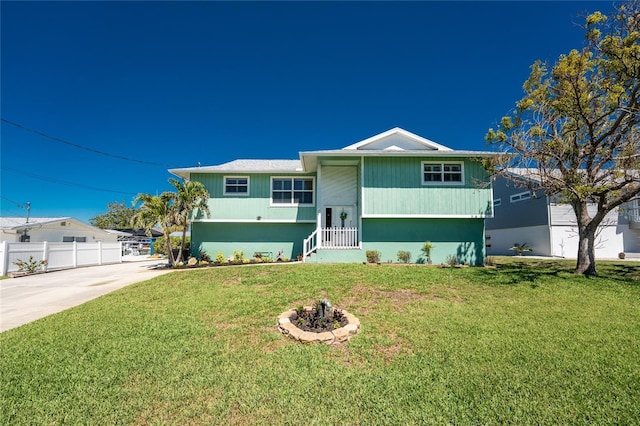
pixel 59 255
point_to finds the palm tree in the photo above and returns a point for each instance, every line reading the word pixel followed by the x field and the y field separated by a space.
pixel 157 210
pixel 191 196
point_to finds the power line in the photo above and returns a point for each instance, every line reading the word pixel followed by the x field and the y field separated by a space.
pixel 12 202
pixel 62 182
pixel 95 151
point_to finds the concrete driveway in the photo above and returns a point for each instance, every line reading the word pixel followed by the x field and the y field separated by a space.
pixel 32 297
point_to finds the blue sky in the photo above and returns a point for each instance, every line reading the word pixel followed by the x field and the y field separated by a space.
pixel 122 91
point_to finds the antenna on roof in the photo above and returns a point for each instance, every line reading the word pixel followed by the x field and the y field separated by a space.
pixel 28 207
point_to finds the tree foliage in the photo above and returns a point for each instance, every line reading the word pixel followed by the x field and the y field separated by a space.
pixel 172 211
pixel 575 133
pixel 118 216
pixel 156 210
pixel 191 197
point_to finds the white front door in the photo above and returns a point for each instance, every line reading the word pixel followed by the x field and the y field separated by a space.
pixel 333 217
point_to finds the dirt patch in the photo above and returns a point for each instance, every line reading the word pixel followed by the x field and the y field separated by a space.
pixel 365 299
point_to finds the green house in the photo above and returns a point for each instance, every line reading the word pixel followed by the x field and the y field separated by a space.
pixel 390 192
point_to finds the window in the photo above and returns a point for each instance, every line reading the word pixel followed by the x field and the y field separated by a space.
pixel 497 202
pixel 444 173
pixel 520 197
pixel 236 185
pixel 291 191
pixel 74 239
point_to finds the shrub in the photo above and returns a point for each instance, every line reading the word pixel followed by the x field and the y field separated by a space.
pixel 452 260
pixel 30 265
pixel 373 256
pixel 160 245
pixel 220 258
pixel 238 256
pixel 204 257
pixel 520 248
pixel 426 249
pixel 404 256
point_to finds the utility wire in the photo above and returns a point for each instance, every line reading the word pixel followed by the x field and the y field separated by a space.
pixel 95 151
pixel 13 202
pixel 62 182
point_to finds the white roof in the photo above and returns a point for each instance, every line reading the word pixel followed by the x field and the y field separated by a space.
pixel 393 142
pixel 14 223
pixel 244 166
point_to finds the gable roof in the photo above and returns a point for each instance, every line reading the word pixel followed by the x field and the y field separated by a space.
pixel 16 223
pixel 393 142
pixel 397 139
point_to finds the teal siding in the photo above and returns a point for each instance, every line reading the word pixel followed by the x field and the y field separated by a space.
pixel 463 238
pixel 257 203
pixel 249 237
pixel 393 186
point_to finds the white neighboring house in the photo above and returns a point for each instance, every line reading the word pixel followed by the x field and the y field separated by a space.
pixel 51 229
pixel 549 227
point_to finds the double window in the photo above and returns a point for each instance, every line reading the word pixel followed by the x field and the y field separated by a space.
pixel 442 173
pixel 291 191
pixel 74 239
pixel 520 197
pixel 236 185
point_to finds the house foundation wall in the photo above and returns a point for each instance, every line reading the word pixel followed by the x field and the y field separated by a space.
pixel 225 238
pixel 459 238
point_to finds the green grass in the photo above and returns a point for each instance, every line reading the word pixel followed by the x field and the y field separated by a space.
pixel 528 342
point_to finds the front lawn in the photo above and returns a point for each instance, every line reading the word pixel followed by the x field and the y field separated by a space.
pixel 525 343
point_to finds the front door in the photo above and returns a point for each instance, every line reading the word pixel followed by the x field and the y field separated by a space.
pixel 339 217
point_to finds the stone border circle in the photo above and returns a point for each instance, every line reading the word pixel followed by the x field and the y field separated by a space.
pixel 339 335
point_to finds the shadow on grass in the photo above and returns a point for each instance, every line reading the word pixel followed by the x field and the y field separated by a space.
pixel 532 271
pixel 627 273
pixel 519 272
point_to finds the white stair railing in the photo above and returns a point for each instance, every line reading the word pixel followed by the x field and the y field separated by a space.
pixel 309 245
pixel 339 238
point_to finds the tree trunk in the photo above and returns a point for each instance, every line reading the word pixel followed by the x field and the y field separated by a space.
pixel 587 227
pixel 184 237
pixel 586 263
pixel 169 249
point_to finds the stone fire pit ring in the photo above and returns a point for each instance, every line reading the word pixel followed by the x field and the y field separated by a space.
pixel 339 335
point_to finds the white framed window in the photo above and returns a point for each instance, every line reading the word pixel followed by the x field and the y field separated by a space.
pixel 521 196
pixel 290 191
pixel 236 185
pixel 74 239
pixel 497 202
pixel 450 173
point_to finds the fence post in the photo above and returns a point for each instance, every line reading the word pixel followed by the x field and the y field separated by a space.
pixel 45 255
pixel 4 259
pixel 75 254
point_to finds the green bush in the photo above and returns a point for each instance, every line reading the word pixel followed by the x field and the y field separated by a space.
pixel 373 256
pixel 404 256
pixel 30 265
pixel 160 245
